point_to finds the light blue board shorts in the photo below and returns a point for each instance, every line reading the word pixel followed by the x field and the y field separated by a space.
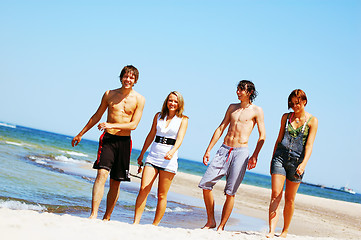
pixel 229 162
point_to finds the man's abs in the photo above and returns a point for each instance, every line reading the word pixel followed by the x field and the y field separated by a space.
pixel 119 132
pixel 235 142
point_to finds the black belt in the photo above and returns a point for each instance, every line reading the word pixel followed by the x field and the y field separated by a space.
pixel 164 140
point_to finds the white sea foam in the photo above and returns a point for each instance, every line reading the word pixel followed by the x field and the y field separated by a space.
pixel 63 158
pixel 39 160
pixel 20 144
pixel 16 205
pixel 176 209
pixel 7 125
pixel 78 154
pixel 14 143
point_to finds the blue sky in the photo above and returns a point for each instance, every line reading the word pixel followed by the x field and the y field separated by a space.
pixel 59 57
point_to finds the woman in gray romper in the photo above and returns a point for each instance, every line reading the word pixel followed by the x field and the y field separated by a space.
pixel 291 153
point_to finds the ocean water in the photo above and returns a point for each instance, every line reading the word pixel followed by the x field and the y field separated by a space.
pixel 40 171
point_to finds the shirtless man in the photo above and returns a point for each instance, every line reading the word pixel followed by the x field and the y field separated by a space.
pixel 125 108
pixel 232 158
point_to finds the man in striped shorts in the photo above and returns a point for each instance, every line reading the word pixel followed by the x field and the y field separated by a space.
pixel 125 108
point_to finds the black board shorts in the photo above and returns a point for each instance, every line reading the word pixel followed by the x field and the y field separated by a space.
pixel 114 156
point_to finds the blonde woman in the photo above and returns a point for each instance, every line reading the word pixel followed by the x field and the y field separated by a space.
pixel 165 137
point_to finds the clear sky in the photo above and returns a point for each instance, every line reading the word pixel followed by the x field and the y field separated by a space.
pixel 59 57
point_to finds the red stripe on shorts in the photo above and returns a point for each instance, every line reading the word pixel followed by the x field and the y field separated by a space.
pixel 229 153
pixel 100 147
pixel 131 146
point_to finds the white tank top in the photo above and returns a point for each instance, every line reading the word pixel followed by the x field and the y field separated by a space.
pixel 158 150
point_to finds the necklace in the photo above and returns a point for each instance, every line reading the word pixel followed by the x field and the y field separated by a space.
pixel 299 119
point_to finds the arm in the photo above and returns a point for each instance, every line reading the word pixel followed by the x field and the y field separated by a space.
pixel 93 120
pixel 309 145
pixel 179 140
pixel 262 136
pixel 149 139
pixel 217 134
pixel 132 125
pixel 281 133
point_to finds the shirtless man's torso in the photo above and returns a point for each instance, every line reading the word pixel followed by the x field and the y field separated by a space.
pixel 232 158
pixel 125 108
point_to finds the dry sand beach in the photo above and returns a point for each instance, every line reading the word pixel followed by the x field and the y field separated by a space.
pixel 314 218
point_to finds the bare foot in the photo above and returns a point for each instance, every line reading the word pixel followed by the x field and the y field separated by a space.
pixel 284 234
pixel 220 229
pixel 93 216
pixel 270 235
pixel 209 225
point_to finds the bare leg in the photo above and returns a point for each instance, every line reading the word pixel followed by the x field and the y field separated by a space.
pixel 112 198
pixel 98 191
pixel 148 177
pixel 290 195
pixel 209 202
pixel 276 196
pixel 226 212
pixel 165 179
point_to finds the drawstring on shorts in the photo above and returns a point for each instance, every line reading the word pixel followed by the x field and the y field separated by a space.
pixel 229 153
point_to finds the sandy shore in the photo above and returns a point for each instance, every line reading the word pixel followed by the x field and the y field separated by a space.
pixel 314 218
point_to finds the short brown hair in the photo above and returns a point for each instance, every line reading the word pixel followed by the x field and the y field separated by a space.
pixel 299 94
pixel 130 69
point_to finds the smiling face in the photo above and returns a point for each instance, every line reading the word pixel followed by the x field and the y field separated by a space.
pixel 172 102
pixel 128 80
pixel 243 94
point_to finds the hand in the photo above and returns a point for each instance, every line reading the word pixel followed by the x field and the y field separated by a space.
pixel 300 169
pixel 206 158
pixel 140 163
pixel 252 162
pixel 168 156
pixel 140 160
pixel 76 140
pixel 139 169
pixel 103 126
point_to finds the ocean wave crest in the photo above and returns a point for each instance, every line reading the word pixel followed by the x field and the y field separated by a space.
pixel 16 205
pixel 14 143
pixel 48 159
pixel 176 209
pixel 62 158
pixel 78 154
pixel 19 144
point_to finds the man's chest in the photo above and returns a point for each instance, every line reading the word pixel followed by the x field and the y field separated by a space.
pixel 122 105
pixel 242 116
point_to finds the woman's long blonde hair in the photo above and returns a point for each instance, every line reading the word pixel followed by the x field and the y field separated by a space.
pixel 180 109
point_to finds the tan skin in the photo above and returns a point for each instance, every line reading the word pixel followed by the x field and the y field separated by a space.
pixel 150 173
pixel 241 119
pixel 278 180
pixel 125 108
